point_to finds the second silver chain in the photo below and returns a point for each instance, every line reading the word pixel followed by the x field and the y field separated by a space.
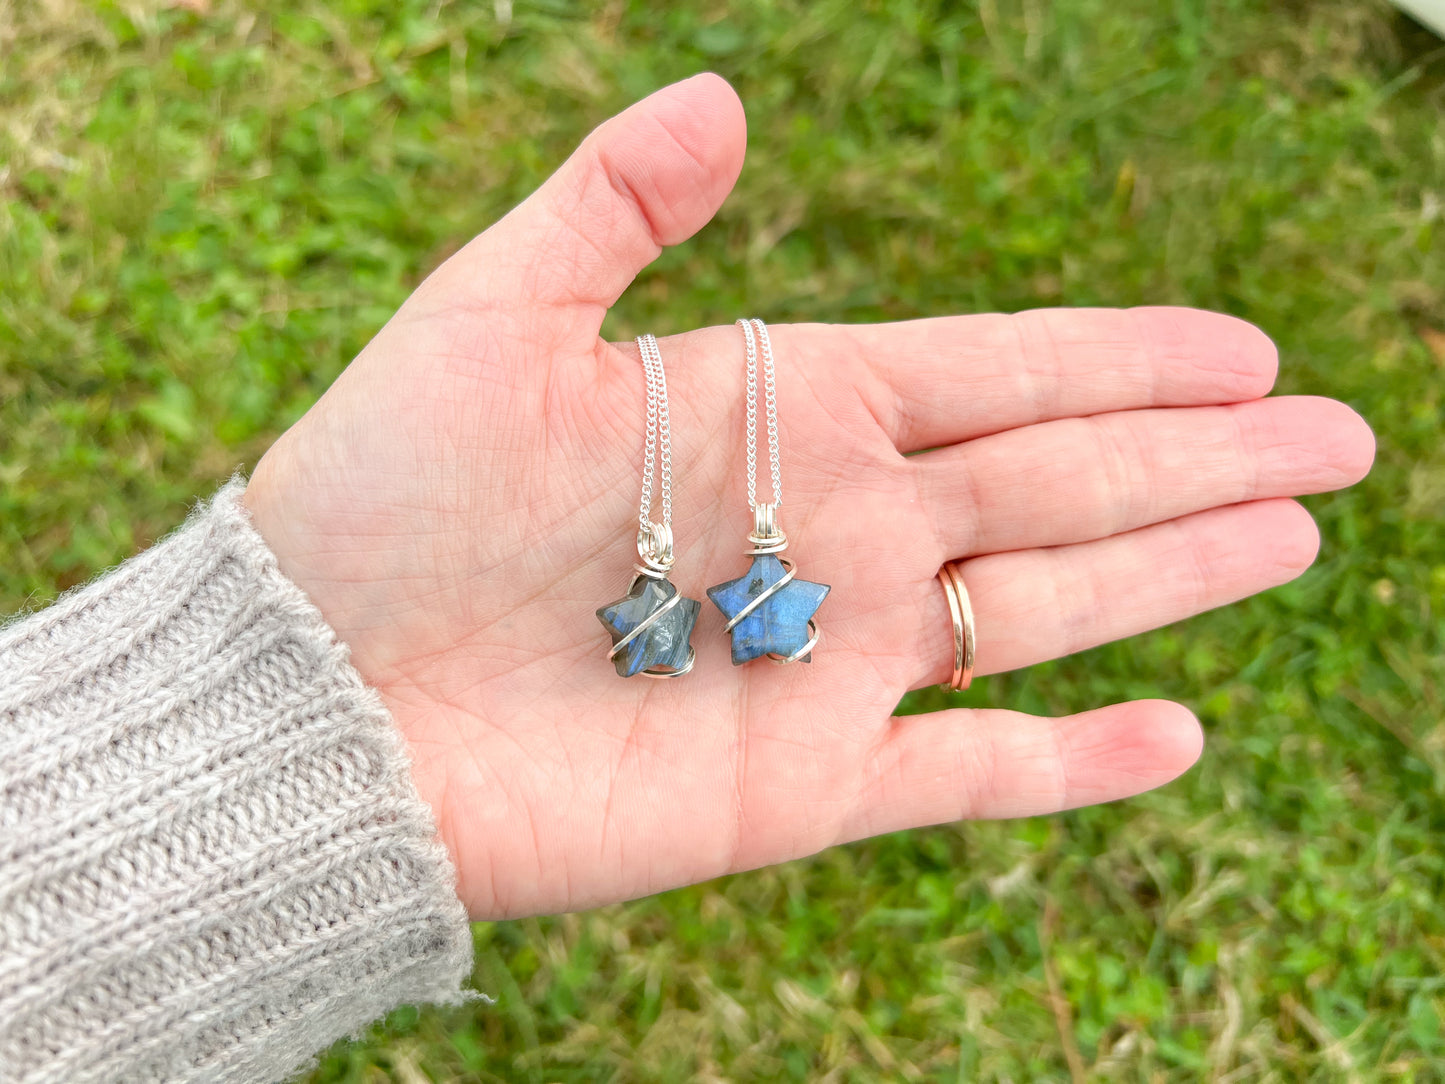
pixel 659 434
pixel 755 332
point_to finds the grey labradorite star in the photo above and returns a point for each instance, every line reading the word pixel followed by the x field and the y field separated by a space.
pixel 663 644
pixel 780 624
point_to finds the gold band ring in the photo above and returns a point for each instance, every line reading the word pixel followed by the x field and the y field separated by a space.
pixel 962 613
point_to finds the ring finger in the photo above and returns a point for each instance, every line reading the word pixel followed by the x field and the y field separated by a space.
pixel 1038 604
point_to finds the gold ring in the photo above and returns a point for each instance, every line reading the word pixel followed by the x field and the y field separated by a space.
pixel 962 613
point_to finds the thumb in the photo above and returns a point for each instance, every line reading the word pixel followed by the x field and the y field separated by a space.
pixel 651 176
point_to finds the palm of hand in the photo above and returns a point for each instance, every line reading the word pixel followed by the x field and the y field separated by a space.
pixel 464 497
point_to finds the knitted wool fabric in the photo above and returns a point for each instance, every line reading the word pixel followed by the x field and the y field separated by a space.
pixel 213 862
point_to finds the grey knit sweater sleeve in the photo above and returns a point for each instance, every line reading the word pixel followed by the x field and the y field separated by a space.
pixel 213 862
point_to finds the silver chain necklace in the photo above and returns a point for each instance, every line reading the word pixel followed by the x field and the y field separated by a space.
pixel 659 438
pixel 651 625
pixel 752 337
pixel 769 610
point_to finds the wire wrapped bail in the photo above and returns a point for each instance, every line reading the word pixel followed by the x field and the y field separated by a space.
pixel 766 536
pixel 654 548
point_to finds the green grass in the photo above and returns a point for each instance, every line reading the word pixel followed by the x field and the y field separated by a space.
pixel 204 214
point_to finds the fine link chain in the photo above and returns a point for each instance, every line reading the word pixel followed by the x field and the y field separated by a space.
pixel 752 404
pixel 771 386
pixel 755 331
pixel 659 434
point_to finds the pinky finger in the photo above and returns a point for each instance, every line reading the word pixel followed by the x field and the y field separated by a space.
pixel 971 764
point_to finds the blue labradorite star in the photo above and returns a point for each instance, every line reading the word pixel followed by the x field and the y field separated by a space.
pixel 662 644
pixel 780 624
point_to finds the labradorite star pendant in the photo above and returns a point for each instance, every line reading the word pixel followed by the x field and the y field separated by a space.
pixel 651 625
pixel 769 610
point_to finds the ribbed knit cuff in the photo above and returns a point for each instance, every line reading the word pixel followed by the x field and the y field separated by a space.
pixel 213 861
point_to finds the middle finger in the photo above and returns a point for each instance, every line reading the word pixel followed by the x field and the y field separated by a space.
pixel 1076 479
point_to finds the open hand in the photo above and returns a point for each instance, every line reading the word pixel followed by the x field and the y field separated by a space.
pixel 464 497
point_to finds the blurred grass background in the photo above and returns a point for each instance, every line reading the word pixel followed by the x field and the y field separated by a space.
pixel 207 207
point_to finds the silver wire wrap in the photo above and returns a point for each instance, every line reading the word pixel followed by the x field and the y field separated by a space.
pixel 654 540
pixel 766 536
pixel 654 547
pixel 768 592
pixel 647 623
